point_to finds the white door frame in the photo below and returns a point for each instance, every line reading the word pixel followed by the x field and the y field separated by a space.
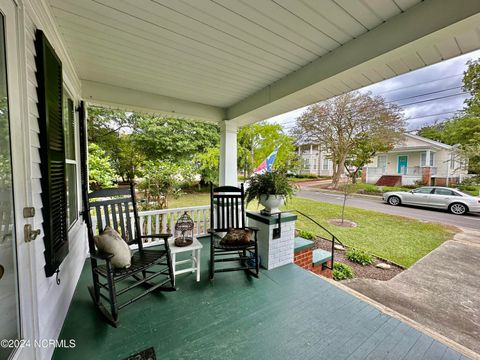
pixel 20 144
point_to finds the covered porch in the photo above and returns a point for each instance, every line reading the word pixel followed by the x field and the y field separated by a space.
pixel 288 313
pixel 230 63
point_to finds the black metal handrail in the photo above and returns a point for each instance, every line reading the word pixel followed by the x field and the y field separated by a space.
pixel 334 239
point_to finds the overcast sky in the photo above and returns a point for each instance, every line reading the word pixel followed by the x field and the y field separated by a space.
pixel 433 80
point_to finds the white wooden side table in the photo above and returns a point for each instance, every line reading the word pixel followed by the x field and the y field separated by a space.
pixel 195 248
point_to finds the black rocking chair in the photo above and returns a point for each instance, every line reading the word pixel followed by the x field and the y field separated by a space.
pixel 227 211
pixel 117 208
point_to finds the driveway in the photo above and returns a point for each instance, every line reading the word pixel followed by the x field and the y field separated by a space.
pixel 441 291
pixel 471 221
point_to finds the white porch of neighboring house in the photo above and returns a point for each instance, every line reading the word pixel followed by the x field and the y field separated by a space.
pixel 314 160
pixel 231 63
pixel 416 160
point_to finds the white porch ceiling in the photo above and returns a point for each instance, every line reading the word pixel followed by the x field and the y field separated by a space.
pixel 251 59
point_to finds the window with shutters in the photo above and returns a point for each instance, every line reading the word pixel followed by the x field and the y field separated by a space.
pixel 70 158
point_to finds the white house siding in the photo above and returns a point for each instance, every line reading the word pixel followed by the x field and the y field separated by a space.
pixel 311 159
pixel 52 300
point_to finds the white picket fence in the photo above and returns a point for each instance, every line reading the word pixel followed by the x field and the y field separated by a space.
pixel 163 221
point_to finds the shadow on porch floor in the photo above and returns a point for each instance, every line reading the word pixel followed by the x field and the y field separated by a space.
pixel 288 313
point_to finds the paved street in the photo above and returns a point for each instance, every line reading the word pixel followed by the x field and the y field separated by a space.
pixel 471 221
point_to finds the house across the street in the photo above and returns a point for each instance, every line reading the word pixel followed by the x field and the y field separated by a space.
pixel 413 160
pixel 417 160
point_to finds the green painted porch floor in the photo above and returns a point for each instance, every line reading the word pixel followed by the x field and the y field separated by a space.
pixel 288 313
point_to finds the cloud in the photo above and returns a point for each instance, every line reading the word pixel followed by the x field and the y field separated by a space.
pixel 427 95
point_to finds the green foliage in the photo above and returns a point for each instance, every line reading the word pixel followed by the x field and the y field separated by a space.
pixel 373 189
pixel 127 157
pixel 274 182
pixel 207 164
pixel 471 83
pixel 100 171
pixel 257 141
pixel 474 180
pixel 471 185
pixel 129 139
pixel 359 256
pixel 163 179
pixel 173 139
pixel 305 234
pixel 464 128
pixel 342 272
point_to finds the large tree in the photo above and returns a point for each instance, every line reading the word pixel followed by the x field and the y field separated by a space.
pixel 464 127
pixel 350 125
pixel 471 84
pixel 174 139
pixel 130 139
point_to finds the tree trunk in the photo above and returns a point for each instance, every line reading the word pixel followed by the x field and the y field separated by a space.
pixel 338 173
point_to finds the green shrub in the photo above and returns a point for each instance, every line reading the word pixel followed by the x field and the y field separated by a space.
pixel 269 183
pixel 342 272
pixel 394 188
pixel 473 180
pixel 370 188
pixel 306 234
pixel 359 257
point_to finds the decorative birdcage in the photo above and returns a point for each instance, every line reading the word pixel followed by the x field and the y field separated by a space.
pixel 184 230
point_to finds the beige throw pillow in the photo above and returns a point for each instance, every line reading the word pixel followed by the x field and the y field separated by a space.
pixel 110 241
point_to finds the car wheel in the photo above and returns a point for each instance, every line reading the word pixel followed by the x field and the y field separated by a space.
pixel 458 209
pixel 394 200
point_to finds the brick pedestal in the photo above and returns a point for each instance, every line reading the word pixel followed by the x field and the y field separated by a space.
pixel 324 271
pixel 426 175
pixel 304 259
pixel 311 259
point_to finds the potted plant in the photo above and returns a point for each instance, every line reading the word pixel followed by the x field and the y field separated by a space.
pixel 272 189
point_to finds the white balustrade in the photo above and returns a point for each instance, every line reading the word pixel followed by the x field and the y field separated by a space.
pixel 163 221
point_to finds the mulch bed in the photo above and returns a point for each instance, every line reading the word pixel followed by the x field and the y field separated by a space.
pixel 368 271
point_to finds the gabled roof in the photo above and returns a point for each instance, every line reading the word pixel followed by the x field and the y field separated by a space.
pixel 429 141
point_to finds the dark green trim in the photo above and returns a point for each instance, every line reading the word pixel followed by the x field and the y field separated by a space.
pixel 302 244
pixel 271 219
pixel 52 153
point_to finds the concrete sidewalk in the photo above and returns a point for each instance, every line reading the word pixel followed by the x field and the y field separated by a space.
pixel 441 291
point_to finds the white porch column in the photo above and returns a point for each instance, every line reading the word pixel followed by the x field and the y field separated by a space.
pixel 228 154
pixel 427 158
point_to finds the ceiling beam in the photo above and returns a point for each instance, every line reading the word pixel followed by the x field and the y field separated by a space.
pixel 134 100
pixel 421 20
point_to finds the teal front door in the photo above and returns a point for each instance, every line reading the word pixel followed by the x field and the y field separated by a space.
pixel 402 164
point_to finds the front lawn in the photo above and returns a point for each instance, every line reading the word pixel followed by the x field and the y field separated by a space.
pixel 190 199
pixel 400 240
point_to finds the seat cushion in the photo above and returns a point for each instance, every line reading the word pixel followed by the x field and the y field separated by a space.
pixel 110 241
pixel 237 237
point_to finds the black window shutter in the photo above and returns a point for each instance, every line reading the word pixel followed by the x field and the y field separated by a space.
pixel 52 153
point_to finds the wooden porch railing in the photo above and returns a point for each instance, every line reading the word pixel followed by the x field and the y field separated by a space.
pixel 163 221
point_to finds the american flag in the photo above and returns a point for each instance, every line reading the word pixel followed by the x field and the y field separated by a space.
pixel 267 164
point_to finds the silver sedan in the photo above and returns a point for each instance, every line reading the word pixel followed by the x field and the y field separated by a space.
pixel 438 197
